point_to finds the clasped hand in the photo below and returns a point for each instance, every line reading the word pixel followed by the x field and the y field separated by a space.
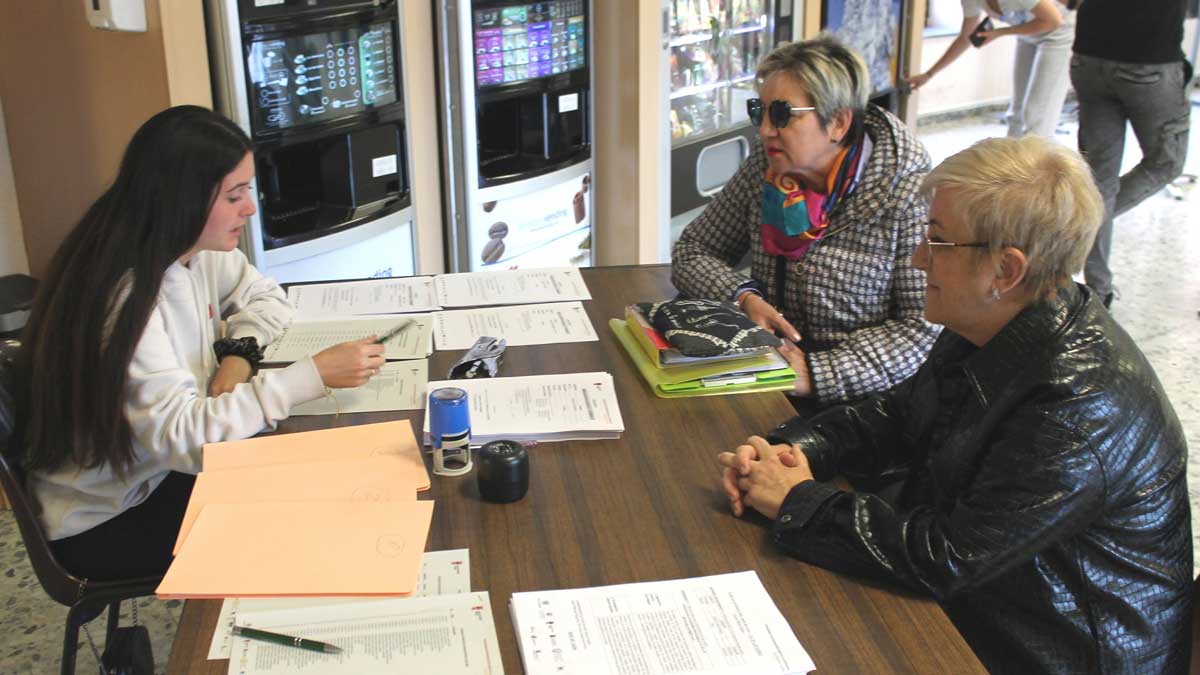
pixel 761 475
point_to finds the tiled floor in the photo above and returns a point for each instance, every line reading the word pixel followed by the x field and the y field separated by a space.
pixel 1156 250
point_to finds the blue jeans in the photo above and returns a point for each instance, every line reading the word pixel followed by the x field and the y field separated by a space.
pixel 1150 97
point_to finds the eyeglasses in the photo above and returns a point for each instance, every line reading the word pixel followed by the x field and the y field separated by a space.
pixel 778 111
pixel 930 244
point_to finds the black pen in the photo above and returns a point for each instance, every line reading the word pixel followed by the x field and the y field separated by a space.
pixel 395 331
pixel 285 640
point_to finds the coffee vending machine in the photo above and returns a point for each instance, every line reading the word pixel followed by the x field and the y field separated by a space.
pixel 319 87
pixel 516 101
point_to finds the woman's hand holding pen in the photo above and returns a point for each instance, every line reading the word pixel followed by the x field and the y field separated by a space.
pixel 350 364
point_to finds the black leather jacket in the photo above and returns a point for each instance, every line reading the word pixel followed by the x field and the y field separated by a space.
pixel 1044 502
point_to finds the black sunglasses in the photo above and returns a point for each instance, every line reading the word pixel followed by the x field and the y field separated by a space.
pixel 778 111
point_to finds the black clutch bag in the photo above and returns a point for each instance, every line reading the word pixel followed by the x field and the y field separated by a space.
pixel 706 327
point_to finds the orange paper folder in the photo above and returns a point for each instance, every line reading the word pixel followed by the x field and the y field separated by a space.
pixel 301 549
pixel 374 479
pixel 363 440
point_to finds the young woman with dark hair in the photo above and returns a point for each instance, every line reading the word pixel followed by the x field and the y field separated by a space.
pixel 125 375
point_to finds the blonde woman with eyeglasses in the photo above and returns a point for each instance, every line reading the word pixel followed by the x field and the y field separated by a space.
pixel 1038 472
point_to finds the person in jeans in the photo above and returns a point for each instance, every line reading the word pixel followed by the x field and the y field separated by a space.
pixel 1045 30
pixel 1128 66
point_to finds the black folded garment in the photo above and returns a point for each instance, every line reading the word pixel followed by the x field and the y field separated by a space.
pixel 706 327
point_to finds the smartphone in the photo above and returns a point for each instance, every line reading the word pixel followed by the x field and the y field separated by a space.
pixel 986 24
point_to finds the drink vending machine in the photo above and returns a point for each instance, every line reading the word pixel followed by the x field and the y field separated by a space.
pixel 319 87
pixel 516 101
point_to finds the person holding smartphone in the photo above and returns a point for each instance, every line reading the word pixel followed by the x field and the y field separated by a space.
pixel 1044 33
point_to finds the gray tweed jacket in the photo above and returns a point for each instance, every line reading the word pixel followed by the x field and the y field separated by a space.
pixel 855 297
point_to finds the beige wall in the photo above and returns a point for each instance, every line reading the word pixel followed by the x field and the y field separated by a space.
pixel 73 96
pixel 615 105
pixel 978 77
pixel 421 96
pixel 13 259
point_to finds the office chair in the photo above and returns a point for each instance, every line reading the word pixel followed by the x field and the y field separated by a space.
pixel 86 599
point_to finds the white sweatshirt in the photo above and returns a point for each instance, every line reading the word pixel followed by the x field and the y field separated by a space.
pixel 166 398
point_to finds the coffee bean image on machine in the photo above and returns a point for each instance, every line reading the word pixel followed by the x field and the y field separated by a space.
pixel 580 207
pixel 498 230
pixel 493 250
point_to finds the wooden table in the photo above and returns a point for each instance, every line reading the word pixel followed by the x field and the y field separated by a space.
pixel 643 508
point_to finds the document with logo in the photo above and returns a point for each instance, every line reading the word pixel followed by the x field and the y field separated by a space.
pixel 446 634
pixel 575 406
pixel 369 296
pixel 399 385
pixel 411 336
pixel 725 624
pixel 510 287
pixel 442 573
pixel 543 324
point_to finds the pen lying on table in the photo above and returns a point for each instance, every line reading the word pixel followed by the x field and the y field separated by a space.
pixel 286 640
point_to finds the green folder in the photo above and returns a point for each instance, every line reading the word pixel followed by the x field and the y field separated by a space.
pixel 683 381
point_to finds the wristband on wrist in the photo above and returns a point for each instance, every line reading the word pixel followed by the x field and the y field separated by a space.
pixel 246 347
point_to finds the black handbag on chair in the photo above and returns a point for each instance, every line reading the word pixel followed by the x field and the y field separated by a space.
pixel 128 652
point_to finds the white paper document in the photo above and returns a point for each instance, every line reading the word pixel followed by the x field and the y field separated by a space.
pixel 544 324
pixel 399 385
pixel 371 296
pixel 305 338
pixel 510 287
pixel 447 635
pixel 575 406
pixel 442 573
pixel 719 625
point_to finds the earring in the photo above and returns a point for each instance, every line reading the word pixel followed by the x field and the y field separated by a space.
pixel 835 141
pixel 995 293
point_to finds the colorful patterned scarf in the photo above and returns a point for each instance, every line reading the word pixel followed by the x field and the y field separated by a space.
pixel 795 217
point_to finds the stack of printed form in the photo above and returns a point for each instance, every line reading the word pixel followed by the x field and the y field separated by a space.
pixel 725 624
pixel 575 406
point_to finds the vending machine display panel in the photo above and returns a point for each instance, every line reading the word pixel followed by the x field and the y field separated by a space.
pixel 528 41
pixel 299 80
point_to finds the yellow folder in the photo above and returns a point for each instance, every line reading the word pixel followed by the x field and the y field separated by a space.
pixel 374 479
pixel 681 381
pixel 301 549
pixel 359 441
